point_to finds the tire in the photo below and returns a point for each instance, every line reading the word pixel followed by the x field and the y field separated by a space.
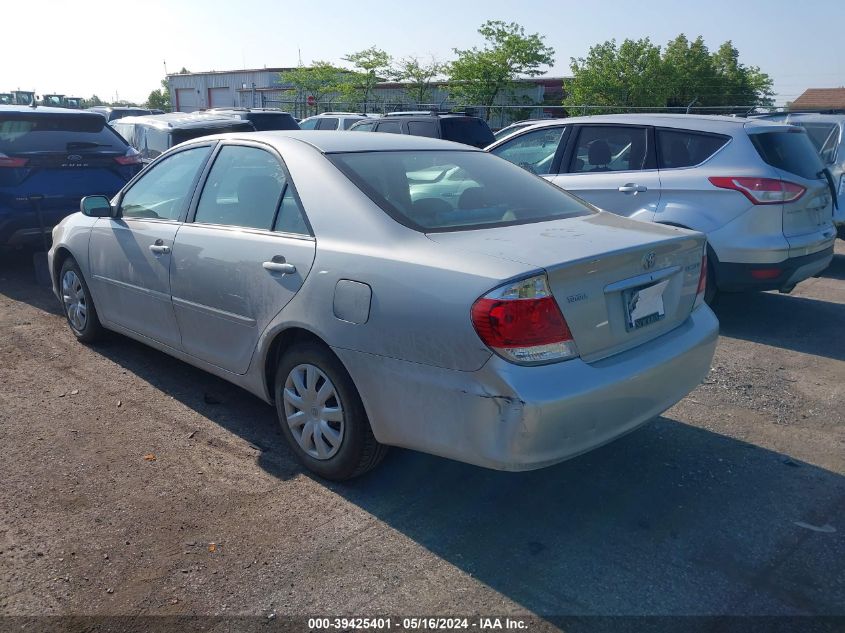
pixel 84 323
pixel 340 444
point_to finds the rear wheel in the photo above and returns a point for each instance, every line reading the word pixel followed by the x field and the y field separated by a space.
pixel 78 305
pixel 322 416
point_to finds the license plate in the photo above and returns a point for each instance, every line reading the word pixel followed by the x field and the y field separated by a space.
pixel 644 306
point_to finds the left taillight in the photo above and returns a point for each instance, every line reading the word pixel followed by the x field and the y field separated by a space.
pixel 12 161
pixel 523 324
pixel 761 190
pixel 702 283
pixel 131 157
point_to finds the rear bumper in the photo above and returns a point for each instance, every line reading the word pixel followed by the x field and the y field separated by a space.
pixel 511 417
pixel 18 228
pixel 732 277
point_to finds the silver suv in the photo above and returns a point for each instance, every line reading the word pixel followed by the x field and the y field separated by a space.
pixel 757 189
pixel 332 121
pixel 827 132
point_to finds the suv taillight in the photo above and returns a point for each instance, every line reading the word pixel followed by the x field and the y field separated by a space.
pixel 761 190
pixel 131 157
pixel 12 161
pixel 522 323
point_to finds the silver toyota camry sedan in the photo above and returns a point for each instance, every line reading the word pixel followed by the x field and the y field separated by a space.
pixel 386 290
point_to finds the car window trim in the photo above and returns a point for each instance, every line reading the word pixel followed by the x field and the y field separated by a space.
pixel 658 128
pixel 192 209
pixel 650 156
pixel 193 189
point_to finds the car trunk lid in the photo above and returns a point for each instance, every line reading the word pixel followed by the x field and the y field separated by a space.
pixel 618 282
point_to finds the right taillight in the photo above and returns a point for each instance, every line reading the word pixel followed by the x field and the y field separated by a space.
pixel 761 190
pixel 702 283
pixel 523 323
pixel 12 161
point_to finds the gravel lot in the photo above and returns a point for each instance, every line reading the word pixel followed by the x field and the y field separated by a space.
pixel 135 484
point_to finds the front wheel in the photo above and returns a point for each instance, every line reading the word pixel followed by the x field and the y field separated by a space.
pixel 322 416
pixel 78 305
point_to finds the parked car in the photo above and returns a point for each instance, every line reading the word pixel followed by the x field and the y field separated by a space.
pixel 755 188
pixel 332 121
pixel 827 132
pixel 49 159
pixel 152 135
pixel 116 112
pixel 263 119
pixel 512 326
pixel 460 128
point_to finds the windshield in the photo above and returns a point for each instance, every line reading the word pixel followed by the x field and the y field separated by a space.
pixel 24 132
pixel 790 151
pixel 435 191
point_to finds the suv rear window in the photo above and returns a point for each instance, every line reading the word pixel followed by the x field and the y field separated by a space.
pixel 24 132
pixel 790 151
pixel 467 130
pixel 682 148
pixel 436 191
pixel 272 121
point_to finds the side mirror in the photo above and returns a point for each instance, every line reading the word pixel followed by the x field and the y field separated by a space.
pixel 95 207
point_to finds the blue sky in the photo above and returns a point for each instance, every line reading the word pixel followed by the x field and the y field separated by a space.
pixel 82 48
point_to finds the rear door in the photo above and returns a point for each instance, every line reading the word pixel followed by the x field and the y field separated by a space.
pixel 57 159
pixel 808 220
pixel 131 255
pixel 613 167
pixel 242 258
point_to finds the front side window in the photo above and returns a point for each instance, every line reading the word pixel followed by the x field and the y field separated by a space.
pixel 609 148
pixel 309 124
pixel 683 148
pixel 243 189
pixel 534 151
pixel 451 190
pixel 164 190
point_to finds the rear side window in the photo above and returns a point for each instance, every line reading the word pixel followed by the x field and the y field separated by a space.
pixel 243 188
pixel 609 148
pixel 348 123
pixel 23 132
pixel 364 127
pixel 390 127
pixel 423 128
pixel 683 148
pixel 310 124
pixel 467 130
pixel 263 122
pixel 327 123
pixel 790 151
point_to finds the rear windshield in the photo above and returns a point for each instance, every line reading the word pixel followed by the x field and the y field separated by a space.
pixel 264 122
pixel 180 136
pixel 466 130
pixel 434 191
pixel 23 132
pixel 790 151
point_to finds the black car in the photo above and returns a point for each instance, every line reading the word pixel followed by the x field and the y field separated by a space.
pixel 49 159
pixel 118 112
pixel 157 133
pixel 450 126
pixel 264 119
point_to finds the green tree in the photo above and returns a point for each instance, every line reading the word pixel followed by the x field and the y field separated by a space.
pixel 741 85
pixel 418 76
pixel 690 73
pixel 160 99
pixel 630 74
pixel 370 66
pixel 320 80
pixel 94 100
pixel 479 75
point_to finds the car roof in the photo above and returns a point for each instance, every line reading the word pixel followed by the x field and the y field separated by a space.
pixel 181 120
pixel 804 116
pixel 44 110
pixel 248 111
pixel 329 142
pixel 702 122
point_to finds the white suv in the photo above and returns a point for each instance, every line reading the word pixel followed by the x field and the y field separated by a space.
pixel 332 121
pixel 757 189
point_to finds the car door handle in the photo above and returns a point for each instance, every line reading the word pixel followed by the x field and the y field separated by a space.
pixel 279 267
pixel 631 187
pixel 159 249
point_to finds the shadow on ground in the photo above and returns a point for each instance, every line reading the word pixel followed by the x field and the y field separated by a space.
pixel 671 519
pixel 836 270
